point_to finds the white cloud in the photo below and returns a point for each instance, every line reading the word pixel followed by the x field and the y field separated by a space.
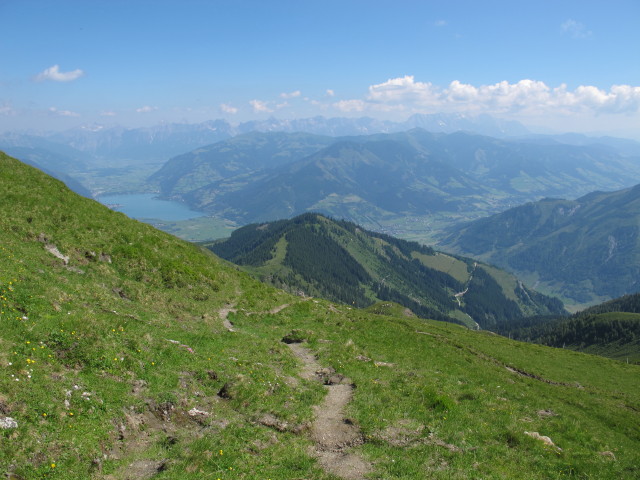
pixel 295 94
pixel 146 109
pixel 53 73
pixel 108 113
pixel 226 108
pixel 63 113
pixel 575 29
pixel 330 93
pixel 440 23
pixel 260 107
pixel 403 89
pixel 350 105
pixel 526 96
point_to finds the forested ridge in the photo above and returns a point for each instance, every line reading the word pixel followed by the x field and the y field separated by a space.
pixel 611 329
pixel 340 261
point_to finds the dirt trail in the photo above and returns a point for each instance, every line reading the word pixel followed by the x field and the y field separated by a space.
pixel 223 313
pixel 461 294
pixel 331 432
pixel 278 309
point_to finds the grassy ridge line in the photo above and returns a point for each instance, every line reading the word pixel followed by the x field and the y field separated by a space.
pixel 92 346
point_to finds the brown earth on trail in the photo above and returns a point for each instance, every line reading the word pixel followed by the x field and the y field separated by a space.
pixel 223 313
pixel 332 433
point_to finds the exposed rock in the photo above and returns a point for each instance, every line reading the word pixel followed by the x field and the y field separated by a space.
pixel 384 364
pixel 53 250
pixel 198 415
pixel 105 258
pixel 543 438
pixel 7 423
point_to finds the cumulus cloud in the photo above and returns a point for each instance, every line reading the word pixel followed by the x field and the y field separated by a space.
pixel 226 108
pixel 260 107
pixel 108 113
pixel 146 109
pixel 53 73
pixel 330 93
pixel 575 29
pixel 295 94
pixel 526 96
pixel 63 113
pixel 350 105
pixel 403 89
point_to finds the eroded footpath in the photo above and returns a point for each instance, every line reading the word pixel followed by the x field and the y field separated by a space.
pixel 332 433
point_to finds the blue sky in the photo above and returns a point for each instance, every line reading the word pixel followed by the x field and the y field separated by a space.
pixel 568 65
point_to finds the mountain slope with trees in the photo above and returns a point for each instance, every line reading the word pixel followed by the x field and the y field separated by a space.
pixel 585 249
pixel 611 329
pixel 342 262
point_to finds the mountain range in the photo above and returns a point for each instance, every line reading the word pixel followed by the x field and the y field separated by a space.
pixel 314 255
pixel 585 249
pixel 166 140
pixel 384 181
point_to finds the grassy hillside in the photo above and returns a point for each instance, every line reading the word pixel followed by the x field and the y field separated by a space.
pixel 142 356
pixel 340 261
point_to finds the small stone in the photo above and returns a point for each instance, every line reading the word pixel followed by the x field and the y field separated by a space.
pixel 7 422
pixel 194 412
pixel 543 438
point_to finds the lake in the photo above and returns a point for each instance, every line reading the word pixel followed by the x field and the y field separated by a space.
pixel 147 205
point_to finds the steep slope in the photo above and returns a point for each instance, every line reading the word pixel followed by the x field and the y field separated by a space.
pixel 342 262
pixel 127 353
pixel 583 250
pixel 52 164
